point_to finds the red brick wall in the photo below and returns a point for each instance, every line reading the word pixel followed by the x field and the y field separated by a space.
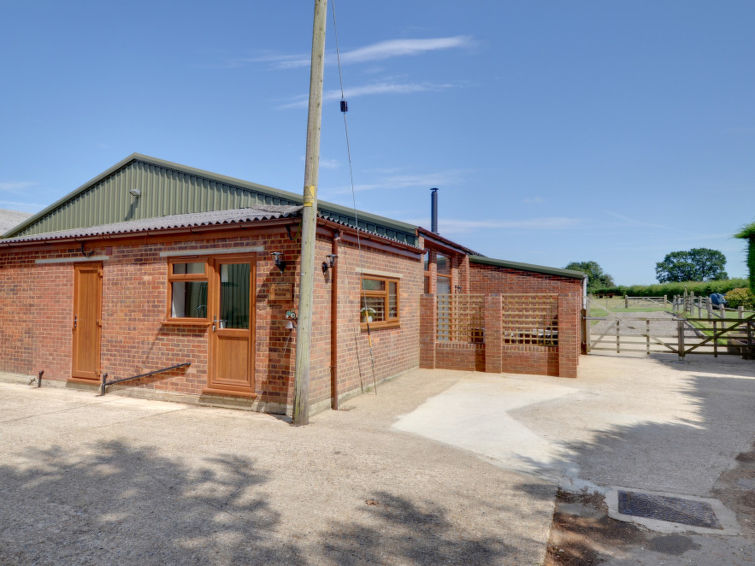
pixel 496 356
pixel 428 315
pixel 393 349
pixel 36 310
pixel 489 279
pixel 466 357
pixel 36 315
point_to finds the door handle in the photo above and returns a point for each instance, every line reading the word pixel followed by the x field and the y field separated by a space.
pixel 75 322
pixel 214 323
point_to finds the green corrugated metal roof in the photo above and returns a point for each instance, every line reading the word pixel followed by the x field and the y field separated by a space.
pixel 169 188
pixel 527 267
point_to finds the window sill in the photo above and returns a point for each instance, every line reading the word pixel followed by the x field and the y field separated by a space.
pixel 380 325
pixel 186 322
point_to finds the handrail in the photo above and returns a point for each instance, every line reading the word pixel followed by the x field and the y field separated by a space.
pixel 104 382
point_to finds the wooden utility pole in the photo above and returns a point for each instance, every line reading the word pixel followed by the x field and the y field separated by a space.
pixel 309 219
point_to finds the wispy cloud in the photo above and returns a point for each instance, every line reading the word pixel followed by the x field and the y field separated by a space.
pixel 330 163
pixel 24 205
pixel 325 163
pixel 628 221
pixel 403 48
pixel 456 226
pixel 534 200
pixel 406 181
pixel 375 52
pixel 367 90
pixel 15 186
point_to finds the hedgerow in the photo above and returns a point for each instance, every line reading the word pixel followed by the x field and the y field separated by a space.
pixel 703 288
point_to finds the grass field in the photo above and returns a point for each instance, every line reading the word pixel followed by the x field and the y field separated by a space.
pixel 736 335
pixel 602 307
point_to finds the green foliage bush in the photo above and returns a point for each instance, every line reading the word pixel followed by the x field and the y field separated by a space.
pixel 700 288
pixel 740 297
pixel 748 233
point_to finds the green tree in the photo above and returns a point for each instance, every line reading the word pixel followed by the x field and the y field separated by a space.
pixel 748 233
pixel 697 264
pixel 596 277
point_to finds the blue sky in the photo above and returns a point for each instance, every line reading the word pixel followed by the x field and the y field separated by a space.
pixel 556 131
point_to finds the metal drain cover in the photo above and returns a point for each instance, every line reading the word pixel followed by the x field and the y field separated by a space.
pixel 666 508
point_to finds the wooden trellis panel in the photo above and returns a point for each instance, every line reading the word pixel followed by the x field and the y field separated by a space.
pixel 461 318
pixel 530 320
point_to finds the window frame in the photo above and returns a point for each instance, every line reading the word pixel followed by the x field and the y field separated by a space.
pixel 188 277
pixel 388 322
pixel 445 275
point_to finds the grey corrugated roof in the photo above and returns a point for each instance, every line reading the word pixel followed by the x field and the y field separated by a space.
pixel 527 267
pixel 194 219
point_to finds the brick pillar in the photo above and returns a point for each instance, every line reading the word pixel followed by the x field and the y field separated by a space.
pixel 568 335
pixel 464 274
pixel 433 273
pixel 428 314
pixel 493 334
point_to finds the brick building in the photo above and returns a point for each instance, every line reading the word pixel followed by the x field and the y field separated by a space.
pixel 152 265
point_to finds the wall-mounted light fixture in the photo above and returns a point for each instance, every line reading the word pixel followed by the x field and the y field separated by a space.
pixel 329 263
pixel 280 263
pixel 136 193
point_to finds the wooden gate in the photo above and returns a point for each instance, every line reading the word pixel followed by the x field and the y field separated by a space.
pixel 669 334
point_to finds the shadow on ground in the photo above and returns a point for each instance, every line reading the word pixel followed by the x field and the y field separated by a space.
pixel 120 504
pixel 397 531
pixel 688 454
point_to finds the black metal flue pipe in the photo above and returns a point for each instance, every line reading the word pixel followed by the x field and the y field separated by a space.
pixel 434 210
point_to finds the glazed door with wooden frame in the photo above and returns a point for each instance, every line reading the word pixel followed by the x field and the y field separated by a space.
pixel 87 322
pixel 232 331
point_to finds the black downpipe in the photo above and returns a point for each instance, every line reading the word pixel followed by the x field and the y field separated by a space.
pixel 434 210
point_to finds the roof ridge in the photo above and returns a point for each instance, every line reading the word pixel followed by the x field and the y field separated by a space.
pixel 527 267
pixel 364 217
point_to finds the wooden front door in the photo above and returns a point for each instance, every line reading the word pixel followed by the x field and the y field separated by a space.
pixel 232 332
pixel 87 322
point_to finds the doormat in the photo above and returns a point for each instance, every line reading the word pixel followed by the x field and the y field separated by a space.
pixel 671 509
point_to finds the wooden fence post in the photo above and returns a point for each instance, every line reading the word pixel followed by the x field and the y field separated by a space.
pixel 626 302
pixel 647 335
pixel 740 312
pixel 618 336
pixel 680 339
pixel 585 333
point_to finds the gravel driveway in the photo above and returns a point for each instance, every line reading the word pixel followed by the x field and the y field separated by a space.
pixel 441 467
pixel 114 480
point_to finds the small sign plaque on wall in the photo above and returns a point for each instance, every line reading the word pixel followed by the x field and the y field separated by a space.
pixel 282 292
